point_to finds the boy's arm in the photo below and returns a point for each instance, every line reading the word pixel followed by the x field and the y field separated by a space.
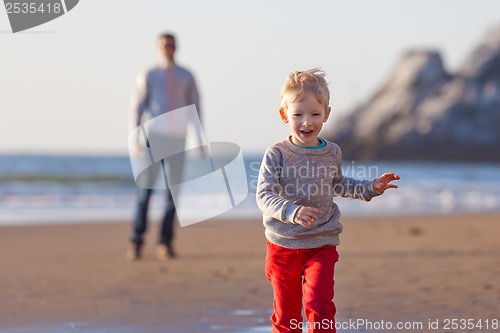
pixel 268 188
pixel 356 189
pixel 352 188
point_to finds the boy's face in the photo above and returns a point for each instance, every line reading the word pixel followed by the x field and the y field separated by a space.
pixel 306 118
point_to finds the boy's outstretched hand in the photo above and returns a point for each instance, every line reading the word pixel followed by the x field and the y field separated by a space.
pixel 383 182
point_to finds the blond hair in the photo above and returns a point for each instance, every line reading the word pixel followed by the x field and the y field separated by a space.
pixel 300 82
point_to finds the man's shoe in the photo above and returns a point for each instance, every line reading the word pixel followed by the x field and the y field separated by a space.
pixel 164 252
pixel 171 253
pixel 134 252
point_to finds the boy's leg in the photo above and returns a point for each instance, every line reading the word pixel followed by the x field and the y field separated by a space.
pixel 318 289
pixel 284 271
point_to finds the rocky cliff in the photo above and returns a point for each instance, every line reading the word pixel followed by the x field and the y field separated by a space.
pixel 425 113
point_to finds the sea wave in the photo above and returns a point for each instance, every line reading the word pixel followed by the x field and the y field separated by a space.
pixel 65 189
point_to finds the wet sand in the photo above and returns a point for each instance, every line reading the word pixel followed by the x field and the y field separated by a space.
pixel 391 269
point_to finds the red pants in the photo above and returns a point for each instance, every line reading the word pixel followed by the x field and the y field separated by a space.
pixel 285 269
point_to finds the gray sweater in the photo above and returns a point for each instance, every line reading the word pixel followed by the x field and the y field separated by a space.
pixel 292 176
pixel 151 99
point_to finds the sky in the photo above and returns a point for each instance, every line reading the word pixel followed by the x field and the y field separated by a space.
pixel 65 86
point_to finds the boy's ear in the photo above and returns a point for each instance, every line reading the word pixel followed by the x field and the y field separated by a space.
pixel 327 114
pixel 283 115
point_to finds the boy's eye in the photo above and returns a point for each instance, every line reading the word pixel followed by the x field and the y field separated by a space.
pixel 297 114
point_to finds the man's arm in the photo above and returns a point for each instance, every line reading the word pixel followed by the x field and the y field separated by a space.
pixel 139 101
pixel 193 95
pixel 138 105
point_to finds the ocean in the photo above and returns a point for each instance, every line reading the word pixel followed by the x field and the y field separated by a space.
pixel 41 189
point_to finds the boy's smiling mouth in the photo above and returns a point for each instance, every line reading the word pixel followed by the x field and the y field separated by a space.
pixel 306 132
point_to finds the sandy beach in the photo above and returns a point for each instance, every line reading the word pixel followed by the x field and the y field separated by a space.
pixel 391 269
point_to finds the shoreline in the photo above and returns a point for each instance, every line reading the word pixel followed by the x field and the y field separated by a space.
pixel 390 268
pixel 62 217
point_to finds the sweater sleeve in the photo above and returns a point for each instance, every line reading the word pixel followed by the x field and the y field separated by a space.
pixel 269 187
pixel 352 188
pixel 193 96
pixel 139 101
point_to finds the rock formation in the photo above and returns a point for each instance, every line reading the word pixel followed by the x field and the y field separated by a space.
pixel 425 113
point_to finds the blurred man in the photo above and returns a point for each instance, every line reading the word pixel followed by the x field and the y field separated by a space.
pixel 161 89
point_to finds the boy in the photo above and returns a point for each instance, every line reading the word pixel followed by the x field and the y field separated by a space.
pixel 298 179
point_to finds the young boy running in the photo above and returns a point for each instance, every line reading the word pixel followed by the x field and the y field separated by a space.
pixel 298 180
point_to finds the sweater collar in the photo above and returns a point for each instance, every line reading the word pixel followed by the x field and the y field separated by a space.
pixel 323 148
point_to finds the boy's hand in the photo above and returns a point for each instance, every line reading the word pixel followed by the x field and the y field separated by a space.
pixel 305 216
pixel 382 183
